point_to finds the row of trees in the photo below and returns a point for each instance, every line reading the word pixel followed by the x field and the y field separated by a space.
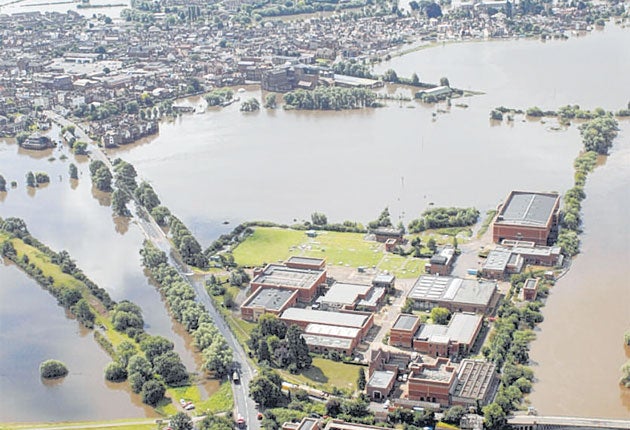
pixel 509 350
pixel 443 218
pixel 101 176
pixel 330 98
pixel 597 137
pixel 186 244
pixel 180 297
pixel 276 345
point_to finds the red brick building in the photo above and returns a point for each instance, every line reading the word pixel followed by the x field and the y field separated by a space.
pixel 530 289
pixel 453 340
pixel 403 330
pixel 442 262
pixel 267 300
pixel 306 282
pixel 527 216
pixel 433 382
pixel 307 263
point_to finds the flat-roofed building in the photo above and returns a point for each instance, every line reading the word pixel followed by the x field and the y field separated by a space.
pixel 453 340
pixel 309 263
pixel 305 282
pixel 335 424
pixel 455 294
pixel 477 383
pixel 343 295
pixel 534 254
pixel 527 216
pixel 501 263
pixel 303 317
pixel 323 338
pixel 267 300
pixel 442 262
pixel 433 382
pixel 382 234
pixel 403 330
pixel 530 289
pixel 380 384
pixel 307 423
pixel 384 280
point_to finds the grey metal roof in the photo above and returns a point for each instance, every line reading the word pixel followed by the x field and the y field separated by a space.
pixel 474 377
pixel 327 341
pixel 384 279
pixel 269 298
pixel 448 289
pixel 344 294
pixel 275 274
pixel 305 260
pixel 461 329
pixel 497 259
pixel 381 378
pixel 343 319
pixel 524 208
pixel 405 322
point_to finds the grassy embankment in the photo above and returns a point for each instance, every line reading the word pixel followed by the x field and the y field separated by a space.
pixel 220 401
pixel 121 424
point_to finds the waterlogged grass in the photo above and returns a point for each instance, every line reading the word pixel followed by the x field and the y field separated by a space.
pixel 325 375
pixel 121 424
pixel 42 261
pixel 268 245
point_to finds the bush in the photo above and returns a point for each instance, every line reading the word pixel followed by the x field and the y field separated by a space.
pixel 115 372
pixel 152 392
pixel 51 369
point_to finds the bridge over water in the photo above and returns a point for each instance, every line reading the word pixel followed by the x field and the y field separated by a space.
pixel 534 422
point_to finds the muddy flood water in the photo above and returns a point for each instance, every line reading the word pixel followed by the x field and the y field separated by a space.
pixel 280 166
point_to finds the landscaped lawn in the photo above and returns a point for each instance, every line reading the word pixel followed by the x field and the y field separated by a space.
pixel 326 374
pixel 343 249
pixel 268 245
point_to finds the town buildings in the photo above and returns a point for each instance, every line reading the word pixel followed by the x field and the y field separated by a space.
pixel 527 216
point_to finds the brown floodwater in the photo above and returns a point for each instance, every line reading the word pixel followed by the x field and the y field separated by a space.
pixel 281 165
pixel 71 215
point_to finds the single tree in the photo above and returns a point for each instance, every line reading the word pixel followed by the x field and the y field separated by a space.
pixel 181 421
pixel 3 184
pixel 74 172
pixel 51 369
pixel 30 180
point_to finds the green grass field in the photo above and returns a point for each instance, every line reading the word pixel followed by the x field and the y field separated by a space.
pixel 325 375
pixel 269 244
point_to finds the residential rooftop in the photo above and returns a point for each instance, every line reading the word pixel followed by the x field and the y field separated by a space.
pixel 269 298
pixel 527 208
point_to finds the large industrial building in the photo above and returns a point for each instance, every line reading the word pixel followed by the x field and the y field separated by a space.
pixel 305 281
pixel 454 294
pixel 527 216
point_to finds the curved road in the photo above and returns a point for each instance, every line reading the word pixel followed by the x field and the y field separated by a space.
pixel 243 404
